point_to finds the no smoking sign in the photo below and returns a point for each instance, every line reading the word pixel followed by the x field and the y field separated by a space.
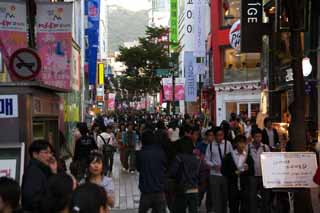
pixel 25 64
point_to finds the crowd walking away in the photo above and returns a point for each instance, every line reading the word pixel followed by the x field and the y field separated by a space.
pixel 185 164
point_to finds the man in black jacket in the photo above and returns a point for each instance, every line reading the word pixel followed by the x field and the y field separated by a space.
pixel 36 175
pixel 270 135
pixel 151 164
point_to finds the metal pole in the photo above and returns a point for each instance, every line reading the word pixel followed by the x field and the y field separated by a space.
pixel 200 93
pixel 173 92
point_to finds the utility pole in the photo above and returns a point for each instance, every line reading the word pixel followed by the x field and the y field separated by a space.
pixel 31 14
pixel 296 15
pixel 173 92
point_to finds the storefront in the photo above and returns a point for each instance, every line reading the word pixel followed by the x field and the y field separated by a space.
pixel 240 98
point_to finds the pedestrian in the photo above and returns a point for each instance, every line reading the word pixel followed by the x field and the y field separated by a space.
pixel 9 195
pixel 57 197
pixel 256 186
pixel 84 145
pixel 106 142
pixel 237 167
pixel 121 146
pixel 218 187
pixel 36 175
pixel 270 135
pixel 95 174
pixel 173 131
pixel 130 140
pixel 87 198
pixel 151 165
pixel 186 169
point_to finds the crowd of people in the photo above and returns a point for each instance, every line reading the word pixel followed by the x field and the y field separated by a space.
pixel 183 162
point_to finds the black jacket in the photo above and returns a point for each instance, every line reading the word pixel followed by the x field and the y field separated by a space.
pixel 229 168
pixel 265 137
pixel 84 146
pixel 151 163
pixel 34 185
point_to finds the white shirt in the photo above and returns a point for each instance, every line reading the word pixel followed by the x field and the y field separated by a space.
pixel 212 156
pixel 256 156
pixel 239 159
pixel 108 137
pixel 173 134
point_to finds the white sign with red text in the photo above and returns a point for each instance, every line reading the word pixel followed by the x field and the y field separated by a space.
pixel 234 35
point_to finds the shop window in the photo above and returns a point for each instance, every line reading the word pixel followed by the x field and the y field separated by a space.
pixel 230 12
pixel 231 107
pixel 240 67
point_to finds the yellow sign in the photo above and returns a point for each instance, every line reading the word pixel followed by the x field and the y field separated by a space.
pixel 101 73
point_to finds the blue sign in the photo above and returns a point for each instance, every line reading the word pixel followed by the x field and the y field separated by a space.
pixel 92 11
pixel 8 106
pixel 190 76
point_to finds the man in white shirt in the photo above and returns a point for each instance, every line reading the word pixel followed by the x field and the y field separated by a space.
pixel 255 150
pixel 106 142
pixel 218 187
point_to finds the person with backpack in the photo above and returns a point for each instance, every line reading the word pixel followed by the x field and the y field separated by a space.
pixel 256 186
pixel 237 167
pixel 218 186
pixel 185 169
pixel 130 140
pixel 106 142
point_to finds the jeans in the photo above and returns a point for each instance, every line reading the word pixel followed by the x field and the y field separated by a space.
pixel 154 201
pixel 109 161
pixel 130 154
pixel 186 201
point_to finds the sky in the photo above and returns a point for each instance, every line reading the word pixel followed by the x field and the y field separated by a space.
pixel 134 5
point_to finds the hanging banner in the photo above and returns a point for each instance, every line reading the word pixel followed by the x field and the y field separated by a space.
pixel 191 81
pixel 92 11
pixel 199 29
pixel 167 89
pixel 13 28
pixel 76 67
pixel 173 24
pixel 189 26
pixel 179 89
pixel 111 101
pixel 54 43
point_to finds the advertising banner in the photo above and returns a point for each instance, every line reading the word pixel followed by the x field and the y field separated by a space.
pixel 199 29
pixel 189 26
pixel 76 60
pixel 191 80
pixel 92 11
pixel 179 89
pixel 54 43
pixel 111 101
pixel 288 169
pixel 167 89
pixel 13 28
pixel 173 24
pixel 9 106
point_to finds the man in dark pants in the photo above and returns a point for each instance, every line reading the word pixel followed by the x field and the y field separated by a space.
pixel 151 164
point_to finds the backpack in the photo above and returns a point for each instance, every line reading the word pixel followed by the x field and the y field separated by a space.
pixel 107 148
pixel 183 178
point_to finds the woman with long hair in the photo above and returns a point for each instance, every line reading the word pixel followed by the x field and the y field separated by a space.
pixel 95 174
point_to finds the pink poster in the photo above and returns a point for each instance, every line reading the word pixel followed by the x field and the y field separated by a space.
pixel 167 89
pixel 179 89
pixel 54 43
pixel 13 28
pixel 111 101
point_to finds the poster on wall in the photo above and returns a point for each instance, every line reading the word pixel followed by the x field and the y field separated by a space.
pixel 13 28
pixel 8 168
pixel 75 70
pixel 54 43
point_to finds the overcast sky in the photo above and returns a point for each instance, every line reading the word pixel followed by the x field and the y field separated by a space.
pixel 134 5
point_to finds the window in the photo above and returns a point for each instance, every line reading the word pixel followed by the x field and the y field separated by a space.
pixel 230 12
pixel 240 67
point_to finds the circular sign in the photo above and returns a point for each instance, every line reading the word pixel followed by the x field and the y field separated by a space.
pixel 25 64
pixel 234 35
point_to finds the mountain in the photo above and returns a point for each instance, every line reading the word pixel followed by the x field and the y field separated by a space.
pixel 125 26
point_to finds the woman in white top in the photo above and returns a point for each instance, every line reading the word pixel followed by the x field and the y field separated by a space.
pixel 95 174
pixel 174 131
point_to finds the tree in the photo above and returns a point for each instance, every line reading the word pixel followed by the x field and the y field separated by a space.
pixel 143 60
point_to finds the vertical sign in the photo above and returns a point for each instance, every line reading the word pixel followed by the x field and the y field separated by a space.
pixel 179 89
pixel 191 81
pixel 13 28
pixel 199 29
pixel 92 11
pixel 111 101
pixel 251 25
pixel 101 74
pixel 189 26
pixel 54 43
pixel 8 106
pixel 167 89
pixel 173 24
